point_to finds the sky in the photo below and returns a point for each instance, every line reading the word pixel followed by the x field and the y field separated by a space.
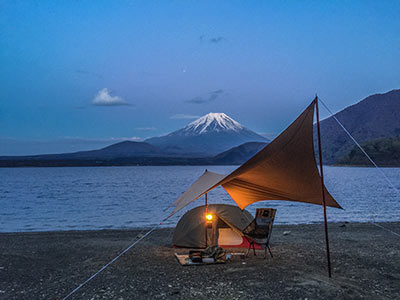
pixel 78 75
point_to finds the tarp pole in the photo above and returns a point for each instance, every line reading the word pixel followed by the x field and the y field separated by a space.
pixel 205 220
pixel 323 191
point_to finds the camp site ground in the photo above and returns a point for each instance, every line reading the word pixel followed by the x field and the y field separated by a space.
pixel 365 261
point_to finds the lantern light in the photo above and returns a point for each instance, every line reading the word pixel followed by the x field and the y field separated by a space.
pixel 209 217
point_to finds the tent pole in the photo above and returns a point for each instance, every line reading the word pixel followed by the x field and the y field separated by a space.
pixel 328 256
pixel 205 217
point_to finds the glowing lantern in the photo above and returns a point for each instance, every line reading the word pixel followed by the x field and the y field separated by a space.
pixel 209 217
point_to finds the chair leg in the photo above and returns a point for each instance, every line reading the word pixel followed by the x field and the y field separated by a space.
pixel 254 249
pixel 270 252
pixel 248 249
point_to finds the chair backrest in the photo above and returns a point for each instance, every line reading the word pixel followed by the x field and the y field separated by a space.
pixel 265 218
pixel 261 227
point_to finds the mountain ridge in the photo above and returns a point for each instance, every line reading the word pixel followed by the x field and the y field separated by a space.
pixel 374 117
pixel 240 154
pixel 121 149
pixel 209 135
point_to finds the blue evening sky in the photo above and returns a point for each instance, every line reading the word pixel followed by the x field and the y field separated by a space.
pixel 78 75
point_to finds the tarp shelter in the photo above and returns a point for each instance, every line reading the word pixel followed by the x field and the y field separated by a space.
pixel 230 223
pixel 284 169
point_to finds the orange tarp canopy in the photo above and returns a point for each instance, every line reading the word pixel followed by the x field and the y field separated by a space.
pixel 285 169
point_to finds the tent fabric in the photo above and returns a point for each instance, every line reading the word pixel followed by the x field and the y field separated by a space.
pixel 285 169
pixel 197 189
pixel 190 230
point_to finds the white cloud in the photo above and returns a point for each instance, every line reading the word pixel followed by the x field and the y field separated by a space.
pixel 104 98
pixel 184 116
pixel 133 139
pixel 209 97
pixel 146 128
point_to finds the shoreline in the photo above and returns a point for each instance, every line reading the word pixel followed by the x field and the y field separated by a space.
pixel 106 165
pixel 172 227
pixel 48 265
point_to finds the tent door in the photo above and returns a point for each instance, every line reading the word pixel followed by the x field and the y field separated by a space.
pixel 229 237
pixel 227 234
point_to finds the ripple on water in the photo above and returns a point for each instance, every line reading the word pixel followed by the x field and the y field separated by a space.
pixel 36 199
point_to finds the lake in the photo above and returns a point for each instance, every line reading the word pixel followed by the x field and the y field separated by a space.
pixel 86 198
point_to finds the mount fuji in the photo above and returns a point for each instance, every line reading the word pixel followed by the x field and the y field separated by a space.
pixel 208 135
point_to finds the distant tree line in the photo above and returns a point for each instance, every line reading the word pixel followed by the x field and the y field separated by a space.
pixel 385 152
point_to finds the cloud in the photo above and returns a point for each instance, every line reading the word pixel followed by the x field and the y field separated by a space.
pixel 210 97
pixel 104 98
pixel 146 128
pixel 212 40
pixel 183 116
pixel 216 40
pixel 196 100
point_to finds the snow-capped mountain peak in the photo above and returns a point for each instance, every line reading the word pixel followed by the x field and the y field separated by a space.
pixel 213 122
pixel 209 135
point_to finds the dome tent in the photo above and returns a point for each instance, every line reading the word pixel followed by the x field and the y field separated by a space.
pixel 230 222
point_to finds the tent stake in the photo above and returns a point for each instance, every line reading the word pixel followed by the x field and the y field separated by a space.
pixel 328 256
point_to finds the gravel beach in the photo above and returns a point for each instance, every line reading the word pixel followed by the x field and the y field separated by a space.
pixel 48 265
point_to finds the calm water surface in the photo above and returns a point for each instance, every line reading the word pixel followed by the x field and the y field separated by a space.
pixel 41 199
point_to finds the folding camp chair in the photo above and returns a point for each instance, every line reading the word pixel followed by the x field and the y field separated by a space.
pixel 260 229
